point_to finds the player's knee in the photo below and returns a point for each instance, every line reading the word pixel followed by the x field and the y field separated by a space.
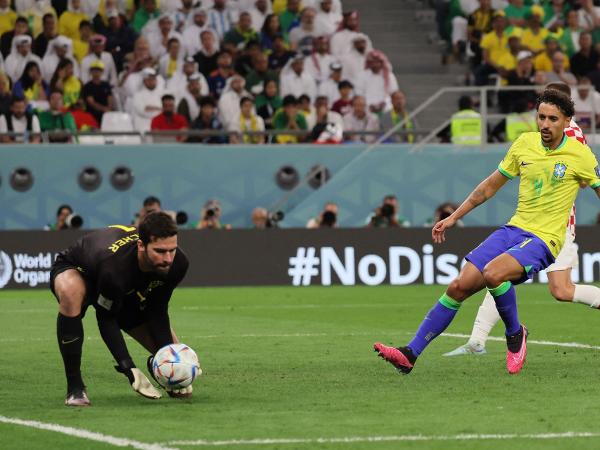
pixel 70 290
pixel 457 290
pixel 561 293
pixel 493 277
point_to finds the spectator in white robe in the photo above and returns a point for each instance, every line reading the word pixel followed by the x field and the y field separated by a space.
pixel 305 30
pixel 377 82
pixel 147 102
pixel 329 87
pixel 191 33
pixel 97 53
pixel 327 19
pixel 318 62
pixel 177 84
pixel 19 56
pixel 61 47
pixel 229 102
pixel 158 32
pixel 294 80
pixel 259 12
pixel 353 62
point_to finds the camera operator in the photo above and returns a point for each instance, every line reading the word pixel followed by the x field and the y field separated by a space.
pixel 386 215
pixel 210 217
pixel 443 211
pixel 326 219
pixel 262 219
pixel 151 204
pixel 65 219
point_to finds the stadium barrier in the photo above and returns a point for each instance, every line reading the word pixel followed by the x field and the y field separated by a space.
pixel 295 257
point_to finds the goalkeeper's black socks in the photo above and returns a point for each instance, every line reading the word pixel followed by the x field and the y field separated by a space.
pixel 69 331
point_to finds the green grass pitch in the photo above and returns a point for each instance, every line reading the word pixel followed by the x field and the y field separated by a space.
pixel 286 367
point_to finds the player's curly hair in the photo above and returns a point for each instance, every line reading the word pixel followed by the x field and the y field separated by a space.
pixel 156 225
pixel 559 99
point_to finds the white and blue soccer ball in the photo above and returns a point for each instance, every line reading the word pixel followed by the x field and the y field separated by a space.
pixel 175 366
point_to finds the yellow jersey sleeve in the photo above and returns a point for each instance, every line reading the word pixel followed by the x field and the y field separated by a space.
pixel 589 171
pixel 509 166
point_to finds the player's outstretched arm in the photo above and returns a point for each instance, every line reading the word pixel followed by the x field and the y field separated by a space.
pixel 483 192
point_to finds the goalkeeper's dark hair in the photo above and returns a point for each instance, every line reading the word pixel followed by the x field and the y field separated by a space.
pixel 557 98
pixel 156 225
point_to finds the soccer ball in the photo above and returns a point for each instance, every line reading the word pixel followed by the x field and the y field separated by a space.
pixel 175 366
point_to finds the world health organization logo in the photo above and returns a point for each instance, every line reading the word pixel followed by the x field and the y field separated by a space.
pixel 6 269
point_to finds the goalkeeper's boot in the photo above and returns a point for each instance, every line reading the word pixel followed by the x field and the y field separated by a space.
pixel 517 350
pixel 77 397
pixel 401 358
pixel 470 348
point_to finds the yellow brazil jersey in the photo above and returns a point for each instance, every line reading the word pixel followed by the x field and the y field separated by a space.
pixel 495 45
pixel 534 41
pixel 549 184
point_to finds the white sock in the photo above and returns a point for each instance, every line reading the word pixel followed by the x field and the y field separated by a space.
pixel 487 317
pixel 588 295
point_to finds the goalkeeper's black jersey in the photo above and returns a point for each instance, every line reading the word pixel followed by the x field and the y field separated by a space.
pixel 107 260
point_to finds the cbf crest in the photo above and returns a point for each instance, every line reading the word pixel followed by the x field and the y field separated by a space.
pixel 559 170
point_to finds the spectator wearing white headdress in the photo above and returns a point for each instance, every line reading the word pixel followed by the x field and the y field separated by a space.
pixel 191 34
pixel 294 80
pixel 328 16
pixel 353 62
pixel 19 56
pixel 158 33
pixel 147 101
pixel 58 48
pixel 68 22
pixel 177 84
pixel 229 102
pixel 342 40
pixel 377 82
pixel 97 53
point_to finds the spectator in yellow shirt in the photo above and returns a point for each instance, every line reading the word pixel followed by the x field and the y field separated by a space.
pixel 493 45
pixel 543 61
pixel 535 33
pixel 81 46
pixel 7 17
pixel 68 23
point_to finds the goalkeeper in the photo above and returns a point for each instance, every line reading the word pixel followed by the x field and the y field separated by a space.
pixel 128 274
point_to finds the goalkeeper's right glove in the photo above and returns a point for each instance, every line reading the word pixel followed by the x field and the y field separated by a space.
pixel 139 382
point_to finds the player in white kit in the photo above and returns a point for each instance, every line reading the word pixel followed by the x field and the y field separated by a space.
pixel 559 273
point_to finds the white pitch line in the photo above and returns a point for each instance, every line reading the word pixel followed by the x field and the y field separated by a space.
pixel 400 438
pixel 530 341
pixel 85 434
pixel 311 335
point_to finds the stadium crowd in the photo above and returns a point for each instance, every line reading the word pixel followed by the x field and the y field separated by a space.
pixel 526 43
pixel 210 71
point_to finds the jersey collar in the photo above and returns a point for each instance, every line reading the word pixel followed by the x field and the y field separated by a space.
pixel 562 143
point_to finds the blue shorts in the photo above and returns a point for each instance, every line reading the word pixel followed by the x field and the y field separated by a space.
pixel 531 252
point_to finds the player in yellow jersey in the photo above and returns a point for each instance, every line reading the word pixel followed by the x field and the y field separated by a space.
pixel 551 169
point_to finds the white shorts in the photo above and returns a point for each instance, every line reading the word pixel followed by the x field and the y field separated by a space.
pixel 567 258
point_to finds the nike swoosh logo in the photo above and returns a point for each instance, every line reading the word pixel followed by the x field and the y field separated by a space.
pixel 69 342
pixel 523 163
